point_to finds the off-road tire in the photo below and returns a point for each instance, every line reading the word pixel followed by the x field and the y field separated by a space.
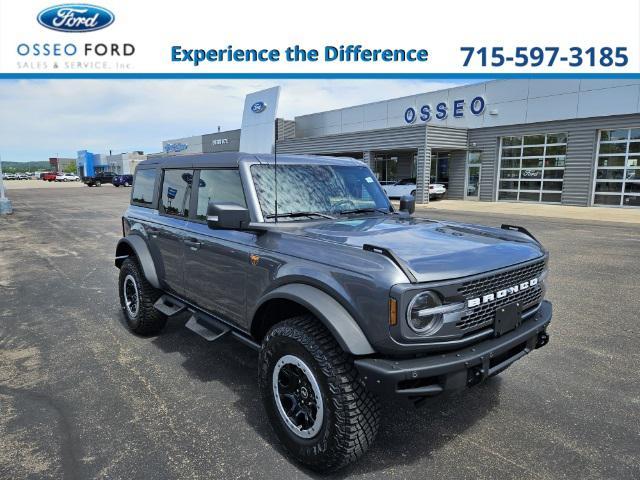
pixel 351 412
pixel 148 320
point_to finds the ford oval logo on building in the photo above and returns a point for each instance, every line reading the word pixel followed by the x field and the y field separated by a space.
pixel 75 17
pixel 258 107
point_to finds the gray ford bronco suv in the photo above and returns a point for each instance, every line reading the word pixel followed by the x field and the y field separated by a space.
pixel 346 299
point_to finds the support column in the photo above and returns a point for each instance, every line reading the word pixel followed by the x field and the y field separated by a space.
pixel 423 175
pixel 367 158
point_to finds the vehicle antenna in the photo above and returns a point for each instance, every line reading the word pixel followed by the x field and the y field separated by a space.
pixel 275 167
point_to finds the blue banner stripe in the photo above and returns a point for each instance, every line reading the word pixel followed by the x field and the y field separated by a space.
pixel 409 76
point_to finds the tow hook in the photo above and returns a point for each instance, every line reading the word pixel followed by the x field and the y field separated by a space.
pixel 543 339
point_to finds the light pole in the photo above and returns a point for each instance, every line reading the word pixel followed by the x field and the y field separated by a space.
pixel 5 203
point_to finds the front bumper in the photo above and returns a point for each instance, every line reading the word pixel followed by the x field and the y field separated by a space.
pixel 416 378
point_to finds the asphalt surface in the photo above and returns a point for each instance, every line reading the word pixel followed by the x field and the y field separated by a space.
pixel 81 397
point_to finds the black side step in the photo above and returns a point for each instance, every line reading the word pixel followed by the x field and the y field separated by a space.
pixel 207 327
pixel 169 306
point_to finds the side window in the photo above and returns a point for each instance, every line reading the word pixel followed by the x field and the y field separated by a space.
pixel 142 193
pixel 222 186
pixel 176 192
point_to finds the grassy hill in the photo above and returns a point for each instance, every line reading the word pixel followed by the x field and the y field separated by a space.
pixel 15 167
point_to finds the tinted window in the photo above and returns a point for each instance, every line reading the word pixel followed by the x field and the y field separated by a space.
pixel 143 187
pixel 176 192
pixel 222 186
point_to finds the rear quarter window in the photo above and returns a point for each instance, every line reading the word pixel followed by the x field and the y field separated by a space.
pixel 143 187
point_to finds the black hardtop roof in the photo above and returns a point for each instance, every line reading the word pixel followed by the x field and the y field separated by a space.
pixel 232 159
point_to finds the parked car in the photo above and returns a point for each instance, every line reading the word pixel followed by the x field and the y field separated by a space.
pixel 346 299
pixel 98 179
pixel 407 186
pixel 122 180
pixel 49 176
pixel 67 177
pixel 22 176
pixel 9 176
pixel 436 191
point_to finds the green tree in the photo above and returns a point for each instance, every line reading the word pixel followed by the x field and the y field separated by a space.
pixel 71 168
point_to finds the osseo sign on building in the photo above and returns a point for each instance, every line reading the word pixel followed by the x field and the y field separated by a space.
pixel 442 110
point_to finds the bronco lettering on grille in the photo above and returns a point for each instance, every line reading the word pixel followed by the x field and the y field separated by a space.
pixel 491 297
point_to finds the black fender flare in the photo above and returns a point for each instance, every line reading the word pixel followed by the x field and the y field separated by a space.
pixel 141 250
pixel 329 311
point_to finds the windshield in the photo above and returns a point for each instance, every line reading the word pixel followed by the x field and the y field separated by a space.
pixel 326 189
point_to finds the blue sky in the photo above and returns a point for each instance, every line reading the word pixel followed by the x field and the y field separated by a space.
pixel 45 118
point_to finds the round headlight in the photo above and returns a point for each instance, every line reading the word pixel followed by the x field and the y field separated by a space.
pixel 419 317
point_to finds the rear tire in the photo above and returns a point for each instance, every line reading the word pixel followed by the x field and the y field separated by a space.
pixel 137 297
pixel 98 183
pixel 318 408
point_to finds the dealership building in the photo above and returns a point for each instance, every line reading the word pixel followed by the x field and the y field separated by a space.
pixel 89 163
pixel 558 141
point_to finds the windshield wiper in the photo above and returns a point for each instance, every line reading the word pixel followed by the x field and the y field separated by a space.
pixel 300 214
pixel 364 210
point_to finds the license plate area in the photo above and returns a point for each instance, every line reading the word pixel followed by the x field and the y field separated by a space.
pixel 507 318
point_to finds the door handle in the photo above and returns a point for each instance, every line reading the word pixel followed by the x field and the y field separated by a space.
pixel 192 243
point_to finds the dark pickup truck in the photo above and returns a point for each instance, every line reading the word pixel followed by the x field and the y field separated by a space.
pixel 98 179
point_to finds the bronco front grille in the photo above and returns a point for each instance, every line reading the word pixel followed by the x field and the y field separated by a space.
pixel 483 315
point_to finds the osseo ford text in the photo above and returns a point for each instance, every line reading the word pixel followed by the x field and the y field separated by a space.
pixel 71 49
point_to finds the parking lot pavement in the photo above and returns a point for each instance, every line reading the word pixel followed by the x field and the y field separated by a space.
pixel 29 184
pixel 81 397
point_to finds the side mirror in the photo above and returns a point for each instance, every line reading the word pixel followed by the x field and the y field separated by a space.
pixel 407 204
pixel 229 216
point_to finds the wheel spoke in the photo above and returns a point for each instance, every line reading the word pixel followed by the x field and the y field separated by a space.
pixel 296 392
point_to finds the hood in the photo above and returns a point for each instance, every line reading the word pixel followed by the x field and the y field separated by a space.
pixel 432 250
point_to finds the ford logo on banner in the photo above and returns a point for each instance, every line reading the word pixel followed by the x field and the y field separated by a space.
pixel 258 107
pixel 75 17
pixel 175 147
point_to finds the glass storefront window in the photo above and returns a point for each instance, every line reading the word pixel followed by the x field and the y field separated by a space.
pixel 557 173
pixel 526 161
pixel 614 135
pixel 534 140
pixel 606 161
pixel 613 148
pixel 554 162
pixel 607 200
pixel 511 141
pixel 557 138
pixel 532 151
pixel 510 173
pixel 618 168
pixel 631 201
pixel 609 174
pixel 551 197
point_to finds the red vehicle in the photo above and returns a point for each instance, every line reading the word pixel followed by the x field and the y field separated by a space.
pixel 49 176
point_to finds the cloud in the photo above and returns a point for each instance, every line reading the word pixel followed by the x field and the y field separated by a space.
pixel 44 118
